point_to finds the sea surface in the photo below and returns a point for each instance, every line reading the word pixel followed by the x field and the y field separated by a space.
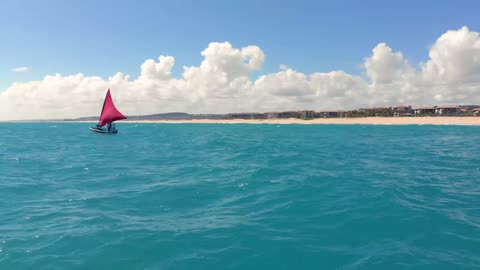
pixel 239 196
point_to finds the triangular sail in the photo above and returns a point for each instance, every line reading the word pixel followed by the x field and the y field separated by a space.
pixel 109 113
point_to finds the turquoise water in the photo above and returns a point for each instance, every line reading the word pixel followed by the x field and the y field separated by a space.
pixel 213 196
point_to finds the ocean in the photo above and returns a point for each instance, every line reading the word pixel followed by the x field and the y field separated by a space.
pixel 239 196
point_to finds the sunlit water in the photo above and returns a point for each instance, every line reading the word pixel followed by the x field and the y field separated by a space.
pixel 219 196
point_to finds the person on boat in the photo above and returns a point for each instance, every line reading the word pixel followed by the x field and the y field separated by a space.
pixel 109 127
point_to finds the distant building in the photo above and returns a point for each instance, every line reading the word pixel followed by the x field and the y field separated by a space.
pixel 424 111
pixel 306 114
pixel 447 110
pixel 329 114
pixel 288 114
pixel 271 115
pixel 476 111
pixel 402 110
pixel 398 111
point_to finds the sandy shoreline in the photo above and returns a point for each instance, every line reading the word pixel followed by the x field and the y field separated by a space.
pixel 340 121
pixel 345 121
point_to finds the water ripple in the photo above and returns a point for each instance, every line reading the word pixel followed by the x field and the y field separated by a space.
pixel 239 197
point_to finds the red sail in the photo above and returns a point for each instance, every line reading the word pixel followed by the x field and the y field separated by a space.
pixel 109 112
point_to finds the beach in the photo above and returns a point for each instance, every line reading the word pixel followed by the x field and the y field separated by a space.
pixel 345 121
pixel 451 120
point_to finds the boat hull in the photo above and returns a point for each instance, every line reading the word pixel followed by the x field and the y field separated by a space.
pixel 103 131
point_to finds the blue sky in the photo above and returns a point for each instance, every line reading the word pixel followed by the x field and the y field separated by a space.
pixel 104 37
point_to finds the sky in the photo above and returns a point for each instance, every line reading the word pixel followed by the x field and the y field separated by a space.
pixel 257 55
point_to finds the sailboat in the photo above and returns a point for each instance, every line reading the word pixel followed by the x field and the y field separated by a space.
pixel 108 115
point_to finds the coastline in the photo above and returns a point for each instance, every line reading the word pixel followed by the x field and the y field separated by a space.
pixel 451 120
pixel 340 121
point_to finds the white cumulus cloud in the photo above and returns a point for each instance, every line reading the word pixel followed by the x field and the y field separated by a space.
pixel 454 58
pixel 223 82
pixel 386 66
